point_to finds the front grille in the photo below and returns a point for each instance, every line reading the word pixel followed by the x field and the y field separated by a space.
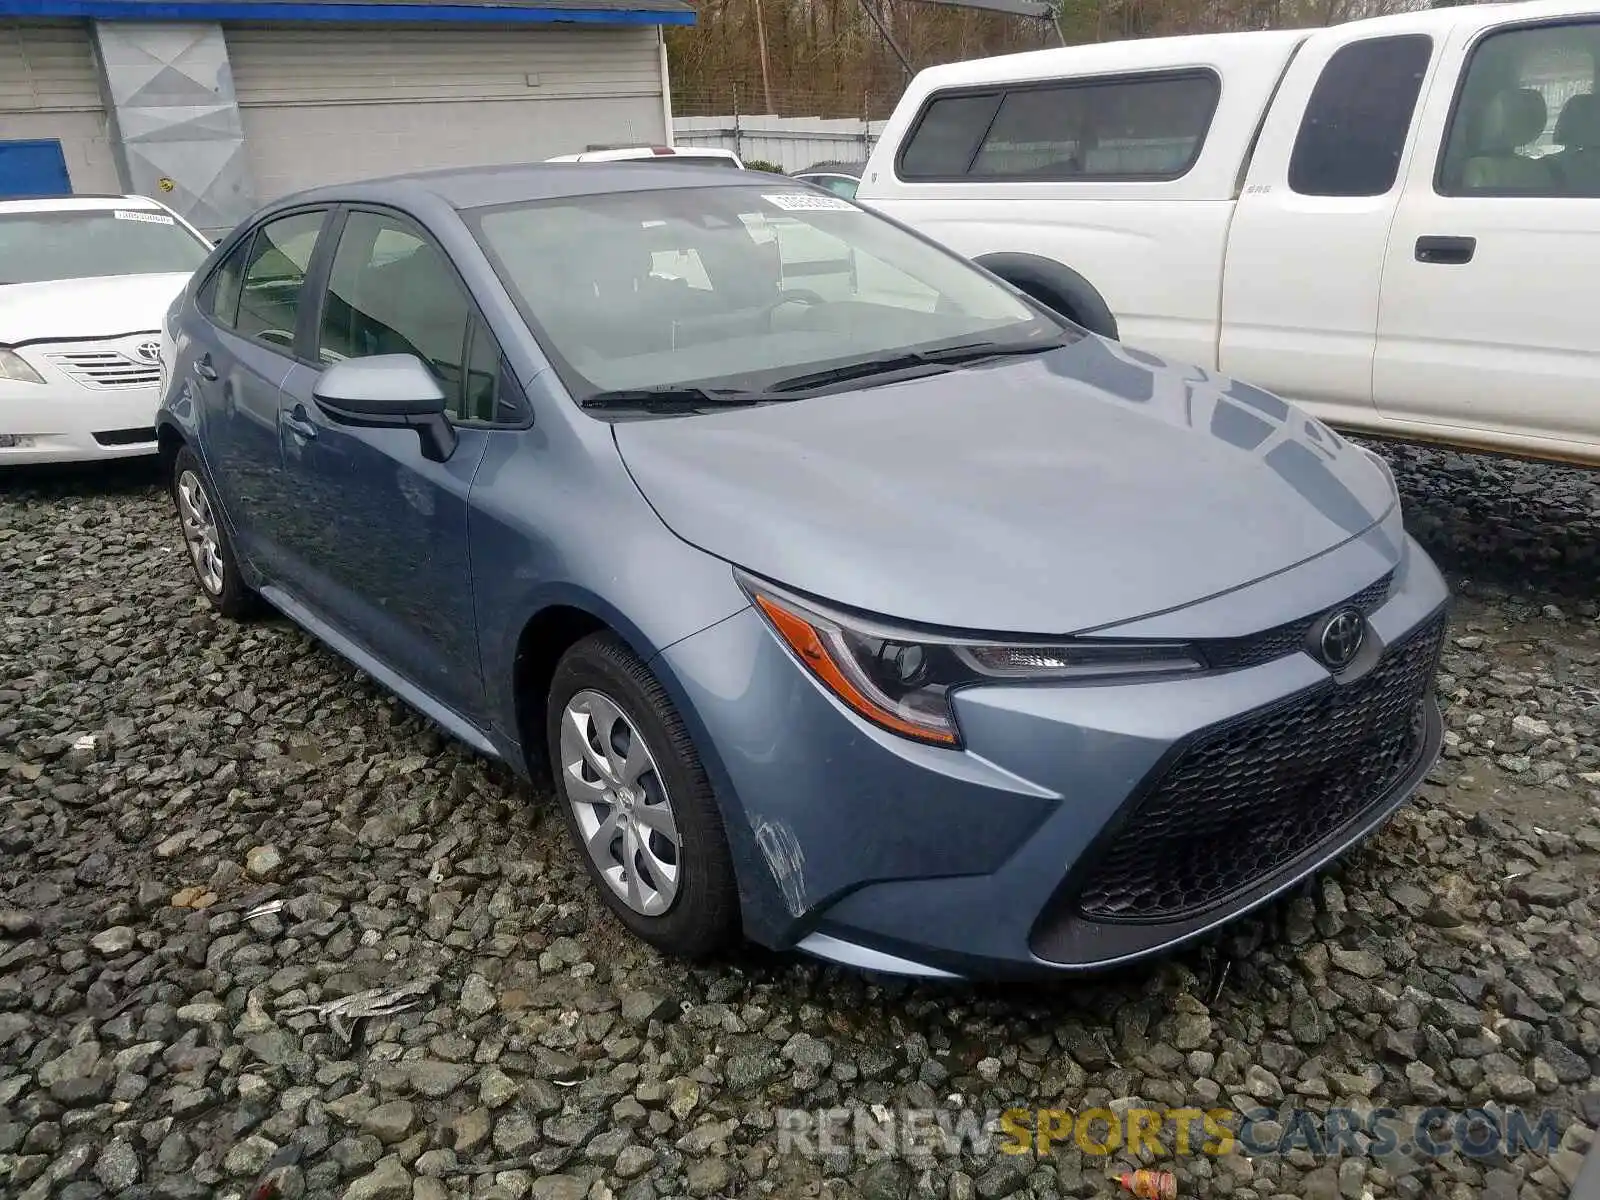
pixel 110 369
pixel 1233 654
pixel 1250 796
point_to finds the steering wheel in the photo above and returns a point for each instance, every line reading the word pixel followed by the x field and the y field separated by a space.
pixel 281 337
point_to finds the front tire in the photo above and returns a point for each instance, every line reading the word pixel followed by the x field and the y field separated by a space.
pixel 637 801
pixel 211 555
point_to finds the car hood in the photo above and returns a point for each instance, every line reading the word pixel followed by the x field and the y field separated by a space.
pixel 1078 489
pixel 86 308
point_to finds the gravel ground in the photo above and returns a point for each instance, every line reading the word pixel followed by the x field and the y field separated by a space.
pixel 209 830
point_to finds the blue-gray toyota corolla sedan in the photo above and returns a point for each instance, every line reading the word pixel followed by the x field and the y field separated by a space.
pixel 852 600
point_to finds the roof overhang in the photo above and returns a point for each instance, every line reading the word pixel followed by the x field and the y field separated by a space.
pixel 364 12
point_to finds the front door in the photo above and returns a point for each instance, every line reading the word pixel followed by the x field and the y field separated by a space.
pixel 379 543
pixel 237 365
pixel 1493 266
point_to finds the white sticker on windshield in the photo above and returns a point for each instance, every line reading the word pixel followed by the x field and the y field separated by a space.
pixel 149 218
pixel 804 202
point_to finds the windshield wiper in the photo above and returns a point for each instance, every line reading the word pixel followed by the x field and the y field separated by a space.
pixel 885 364
pixel 671 399
pixel 888 364
pixel 976 351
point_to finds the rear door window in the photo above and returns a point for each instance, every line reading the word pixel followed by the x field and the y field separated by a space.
pixel 275 276
pixel 1355 125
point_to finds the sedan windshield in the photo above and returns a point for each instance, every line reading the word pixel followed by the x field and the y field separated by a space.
pixel 740 289
pixel 89 243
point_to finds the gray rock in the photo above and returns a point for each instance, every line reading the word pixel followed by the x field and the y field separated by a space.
pixel 114 941
pixel 263 862
pixel 117 1166
pixel 1543 890
pixel 497 1089
pixel 390 1123
pixel 559 1187
pixel 642 1007
pixel 514 1134
pixel 708 1177
pixel 388 1180
pixel 250 1156
pixel 477 996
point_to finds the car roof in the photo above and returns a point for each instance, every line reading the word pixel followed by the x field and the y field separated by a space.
pixel 81 203
pixel 487 187
pixel 853 169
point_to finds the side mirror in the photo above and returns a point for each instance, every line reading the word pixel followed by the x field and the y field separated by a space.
pixel 388 391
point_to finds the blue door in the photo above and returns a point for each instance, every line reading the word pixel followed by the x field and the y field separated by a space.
pixel 240 360
pixel 33 169
pixel 378 544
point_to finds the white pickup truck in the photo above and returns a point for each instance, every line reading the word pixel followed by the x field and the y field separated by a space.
pixel 1393 222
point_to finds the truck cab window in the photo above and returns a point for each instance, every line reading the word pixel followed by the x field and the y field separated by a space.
pixel 1526 121
pixel 1355 125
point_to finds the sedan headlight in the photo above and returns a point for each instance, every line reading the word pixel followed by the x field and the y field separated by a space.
pixel 902 679
pixel 13 367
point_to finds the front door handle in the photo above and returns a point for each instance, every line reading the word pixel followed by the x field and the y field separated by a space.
pixel 1448 250
pixel 300 422
pixel 203 367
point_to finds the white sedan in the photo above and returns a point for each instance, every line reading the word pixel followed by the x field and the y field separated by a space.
pixel 84 285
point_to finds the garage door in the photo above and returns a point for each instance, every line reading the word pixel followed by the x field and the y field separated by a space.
pixel 49 95
pixel 333 104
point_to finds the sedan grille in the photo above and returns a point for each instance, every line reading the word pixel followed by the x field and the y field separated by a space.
pixel 1233 654
pixel 1252 795
pixel 109 369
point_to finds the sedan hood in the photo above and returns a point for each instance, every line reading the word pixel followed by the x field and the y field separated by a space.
pixel 86 308
pixel 1082 488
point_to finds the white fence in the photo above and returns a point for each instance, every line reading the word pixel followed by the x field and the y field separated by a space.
pixel 793 143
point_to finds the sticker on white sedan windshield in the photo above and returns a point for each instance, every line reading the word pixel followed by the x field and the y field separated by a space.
pixel 149 218
pixel 802 202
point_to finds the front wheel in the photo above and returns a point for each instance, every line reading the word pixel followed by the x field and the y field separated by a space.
pixel 216 569
pixel 637 802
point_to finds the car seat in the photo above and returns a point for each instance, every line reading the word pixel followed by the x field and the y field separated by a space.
pixel 1578 133
pixel 1512 118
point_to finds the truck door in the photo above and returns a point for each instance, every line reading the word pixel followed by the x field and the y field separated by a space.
pixel 1493 268
pixel 1305 252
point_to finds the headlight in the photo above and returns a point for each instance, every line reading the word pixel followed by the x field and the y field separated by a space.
pixel 14 368
pixel 902 680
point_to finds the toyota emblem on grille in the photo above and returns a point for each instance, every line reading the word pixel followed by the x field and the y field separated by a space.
pixel 149 351
pixel 1341 636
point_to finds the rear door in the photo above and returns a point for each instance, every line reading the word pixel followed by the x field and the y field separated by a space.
pixel 1493 269
pixel 242 353
pixel 1305 251
pixel 378 546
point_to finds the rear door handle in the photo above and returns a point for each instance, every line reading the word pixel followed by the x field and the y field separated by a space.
pixel 203 367
pixel 1447 250
pixel 300 422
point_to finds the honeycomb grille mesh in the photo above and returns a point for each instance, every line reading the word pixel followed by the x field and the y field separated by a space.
pixel 1234 654
pixel 1249 797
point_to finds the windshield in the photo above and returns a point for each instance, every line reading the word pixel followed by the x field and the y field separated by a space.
pixel 734 287
pixel 89 243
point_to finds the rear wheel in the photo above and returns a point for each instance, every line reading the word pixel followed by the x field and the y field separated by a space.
pixel 210 552
pixel 637 802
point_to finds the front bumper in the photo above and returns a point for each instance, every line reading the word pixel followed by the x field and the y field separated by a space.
pixel 868 849
pixel 65 419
